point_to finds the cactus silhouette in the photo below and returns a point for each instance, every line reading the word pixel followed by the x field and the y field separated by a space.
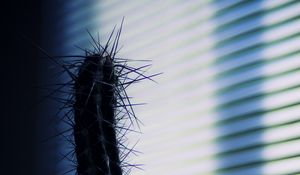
pixel 94 131
pixel 98 109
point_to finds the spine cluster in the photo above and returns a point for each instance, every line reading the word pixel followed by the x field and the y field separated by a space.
pixel 97 108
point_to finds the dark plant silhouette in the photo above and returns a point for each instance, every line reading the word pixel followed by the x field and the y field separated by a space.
pixel 98 109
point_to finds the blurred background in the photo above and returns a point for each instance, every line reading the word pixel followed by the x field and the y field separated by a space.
pixel 228 101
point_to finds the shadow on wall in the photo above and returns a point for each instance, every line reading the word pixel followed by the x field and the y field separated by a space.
pixel 239 81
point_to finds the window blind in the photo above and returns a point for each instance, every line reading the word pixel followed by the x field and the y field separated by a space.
pixel 228 101
pixel 257 68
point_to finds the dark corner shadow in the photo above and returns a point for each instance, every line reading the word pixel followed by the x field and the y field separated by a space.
pixel 18 76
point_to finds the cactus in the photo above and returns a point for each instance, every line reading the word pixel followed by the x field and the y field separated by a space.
pixel 98 108
pixel 94 116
